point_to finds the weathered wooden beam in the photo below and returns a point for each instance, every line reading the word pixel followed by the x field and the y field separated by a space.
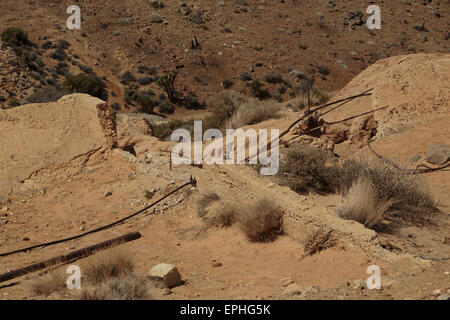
pixel 72 256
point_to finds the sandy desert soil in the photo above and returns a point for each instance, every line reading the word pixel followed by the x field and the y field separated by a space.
pixel 66 166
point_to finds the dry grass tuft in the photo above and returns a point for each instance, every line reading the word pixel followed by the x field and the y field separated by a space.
pixel 108 264
pixel 53 281
pixel 204 201
pixel 317 98
pixel 225 216
pixel 124 287
pixel 363 205
pixel 251 112
pixel 261 221
pixel 409 192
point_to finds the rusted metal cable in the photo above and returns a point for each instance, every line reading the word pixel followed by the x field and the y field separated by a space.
pixel 72 256
pixel 427 169
pixel 342 101
pixel 192 182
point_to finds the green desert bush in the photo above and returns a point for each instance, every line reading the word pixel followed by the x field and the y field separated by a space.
pixel 45 94
pixel 15 36
pixel 85 83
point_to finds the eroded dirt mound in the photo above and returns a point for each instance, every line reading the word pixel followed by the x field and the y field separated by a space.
pixel 37 136
pixel 415 87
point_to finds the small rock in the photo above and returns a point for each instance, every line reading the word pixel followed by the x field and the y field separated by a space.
pixel 415 158
pixel 166 292
pixel 438 153
pixel 155 18
pixel 437 292
pixel 287 281
pixel 293 290
pixel 444 297
pixel 26 239
pixel 216 264
pixel 107 194
pixel 165 275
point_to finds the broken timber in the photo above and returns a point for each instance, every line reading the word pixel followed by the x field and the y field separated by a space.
pixel 72 256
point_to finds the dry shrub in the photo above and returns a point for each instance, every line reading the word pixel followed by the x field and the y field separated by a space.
pixel 53 281
pixel 261 221
pixel 204 201
pixel 108 264
pixel 318 241
pixel 317 97
pixel 251 112
pixel 124 287
pixel 306 168
pixel 233 110
pixel 224 217
pixel 362 204
pixel 409 192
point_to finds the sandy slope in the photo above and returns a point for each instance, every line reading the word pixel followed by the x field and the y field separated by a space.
pixel 70 195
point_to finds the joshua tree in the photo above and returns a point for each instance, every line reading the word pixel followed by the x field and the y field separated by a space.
pixel 166 81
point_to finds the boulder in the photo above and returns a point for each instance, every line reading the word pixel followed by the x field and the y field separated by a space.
pixel 165 275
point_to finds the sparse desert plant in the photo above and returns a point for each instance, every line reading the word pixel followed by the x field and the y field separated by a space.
pixel 124 287
pixel 51 282
pixel 148 194
pixel 409 192
pixel 204 201
pixel 45 94
pixel 12 102
pixel 306 168
pixel 257 90
pixel 362 204
pixel 167 82
pixel 251 112
pixel 224 217
pixel 127 77
pixel 85 83
pixel 314 97
pixel 108 264
pixel 261 221
pixel 15 36
pixel 146 101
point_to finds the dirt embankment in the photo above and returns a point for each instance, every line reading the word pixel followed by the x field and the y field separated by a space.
pixel 38 136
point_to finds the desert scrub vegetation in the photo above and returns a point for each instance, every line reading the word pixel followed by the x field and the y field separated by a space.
pixel 204 201
pixel 15 36
pixel 108 264
pixel 232 110
pixel 306 99
pixel 408 194
pixel 45 94
pixel 124 287
pixel 309 169
pixel 383 190
pixel 362 204
pixel 53 281
pixel 262 221
pixel 251 112
pixel 85 83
